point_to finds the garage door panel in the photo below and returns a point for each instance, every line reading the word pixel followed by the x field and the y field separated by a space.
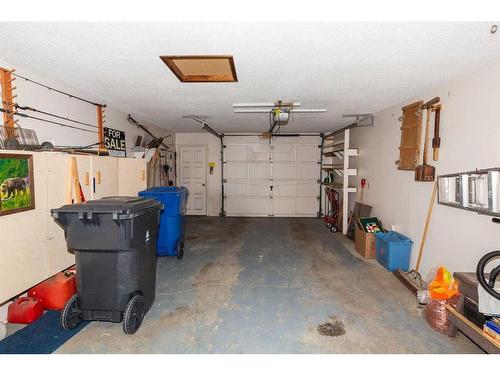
pixel 283 188
pixel 259 188
pixel 307 171
pixel 236 188
pixel 283 206
pixel 259 206
pixel 306 206
pixel 307 153
pixel 259 170
pixel 283 152
pixel 235 170
pixel 306 188
pixel 236 206
pixel 284 170
pixel 236 153
pixel 260 152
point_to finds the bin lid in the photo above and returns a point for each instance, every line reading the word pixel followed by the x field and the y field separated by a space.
pixel 392 236
pixel 122 207
pixel 166 189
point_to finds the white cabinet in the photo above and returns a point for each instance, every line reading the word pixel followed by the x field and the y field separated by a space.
pixel 131 176
pixel 104 171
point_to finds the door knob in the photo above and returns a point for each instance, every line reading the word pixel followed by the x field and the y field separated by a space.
pixel 202 184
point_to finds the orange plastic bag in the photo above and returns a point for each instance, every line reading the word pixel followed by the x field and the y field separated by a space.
pixel 444 286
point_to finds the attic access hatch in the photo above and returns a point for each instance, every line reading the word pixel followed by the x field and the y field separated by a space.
pixel 200 68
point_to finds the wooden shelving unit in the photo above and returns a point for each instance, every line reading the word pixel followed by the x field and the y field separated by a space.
pixel 336 154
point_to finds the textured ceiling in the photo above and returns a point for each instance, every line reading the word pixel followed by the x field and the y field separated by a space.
pixel 344 67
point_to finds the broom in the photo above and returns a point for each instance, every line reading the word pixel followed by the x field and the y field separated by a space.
pixel 412 279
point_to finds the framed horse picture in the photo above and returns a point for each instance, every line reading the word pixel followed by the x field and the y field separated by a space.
pixel 17 190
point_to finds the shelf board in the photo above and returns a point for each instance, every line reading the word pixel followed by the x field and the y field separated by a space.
pixel 333 166
pixel 332 153
pixel 338 186
pixel 334 144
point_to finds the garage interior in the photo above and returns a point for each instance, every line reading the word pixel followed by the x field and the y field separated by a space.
pixel 342 188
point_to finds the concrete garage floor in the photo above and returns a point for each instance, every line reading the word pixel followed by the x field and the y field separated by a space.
pixel 263 285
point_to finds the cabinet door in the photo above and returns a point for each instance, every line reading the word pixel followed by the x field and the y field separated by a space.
pixel 104 176
pixel 131 176
pixel 58 170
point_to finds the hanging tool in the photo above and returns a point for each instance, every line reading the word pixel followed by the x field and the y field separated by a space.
pixel 363 183
pixel 436 141
pixel 45 120
pixel 157 140
pixel 332 212
pixel 426 172
pixel 412 279
pixel 71 96
pixel 27 108
pixel 73 187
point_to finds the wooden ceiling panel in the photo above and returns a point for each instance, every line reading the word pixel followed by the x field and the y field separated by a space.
pixel 202 68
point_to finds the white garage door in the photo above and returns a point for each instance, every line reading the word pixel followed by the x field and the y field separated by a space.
pixel 271 180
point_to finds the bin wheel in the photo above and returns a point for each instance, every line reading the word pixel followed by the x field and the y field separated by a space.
pixel 329 225
pixel 333 229
pixel 133 315
pixel 71 315
pixel 180 249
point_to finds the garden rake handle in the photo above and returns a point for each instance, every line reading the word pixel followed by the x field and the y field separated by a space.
pixel 426 227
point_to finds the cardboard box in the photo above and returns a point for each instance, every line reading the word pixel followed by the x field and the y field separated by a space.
pixel 365 243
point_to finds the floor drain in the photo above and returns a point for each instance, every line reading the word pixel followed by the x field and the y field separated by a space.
pixel 331 329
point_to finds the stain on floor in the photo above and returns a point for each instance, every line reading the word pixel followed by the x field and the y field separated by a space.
pixel 333 329
pixel 264 285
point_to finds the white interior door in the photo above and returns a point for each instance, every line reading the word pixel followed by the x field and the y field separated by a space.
pixel 193 175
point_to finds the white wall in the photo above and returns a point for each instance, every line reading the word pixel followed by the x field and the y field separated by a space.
pixel 29 94
pixel 470 138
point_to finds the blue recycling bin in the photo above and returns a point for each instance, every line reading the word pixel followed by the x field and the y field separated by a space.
pixel 172 219
pixel 393 250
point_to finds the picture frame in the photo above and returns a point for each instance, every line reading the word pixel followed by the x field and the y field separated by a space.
pixel 17 185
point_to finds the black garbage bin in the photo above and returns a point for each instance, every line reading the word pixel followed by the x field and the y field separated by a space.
pixel 114 241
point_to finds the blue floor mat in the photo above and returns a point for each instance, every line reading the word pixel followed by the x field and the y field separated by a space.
pixel 43 336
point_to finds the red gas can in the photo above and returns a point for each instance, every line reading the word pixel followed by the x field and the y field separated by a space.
pixel 56 291
pixel 24 310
